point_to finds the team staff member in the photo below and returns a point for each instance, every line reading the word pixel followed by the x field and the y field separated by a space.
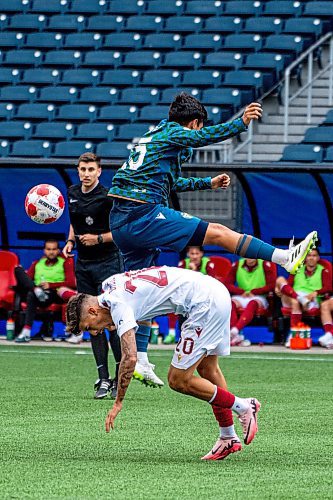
pixel 97 255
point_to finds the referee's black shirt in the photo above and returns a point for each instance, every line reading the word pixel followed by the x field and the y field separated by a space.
pixel 89 213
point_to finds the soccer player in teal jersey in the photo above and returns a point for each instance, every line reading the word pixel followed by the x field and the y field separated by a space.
pixel 141 221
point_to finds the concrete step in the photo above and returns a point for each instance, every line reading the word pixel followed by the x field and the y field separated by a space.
pixel 301 110
pixel 263 157
pixel 316 101
pixel 274 128
pixel 267 148
pixel 275 138
pixel 294 119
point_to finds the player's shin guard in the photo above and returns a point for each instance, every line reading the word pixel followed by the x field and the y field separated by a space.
pixel 253 248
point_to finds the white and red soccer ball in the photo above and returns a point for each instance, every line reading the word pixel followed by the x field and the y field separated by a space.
pixel 44 204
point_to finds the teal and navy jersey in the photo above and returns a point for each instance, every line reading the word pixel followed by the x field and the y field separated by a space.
pixel 153 168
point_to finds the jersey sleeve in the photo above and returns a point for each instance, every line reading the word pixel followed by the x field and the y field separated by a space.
pixel 183 136
pixel 192 184
pixel 122 314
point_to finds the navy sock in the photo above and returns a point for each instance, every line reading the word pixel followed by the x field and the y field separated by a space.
pixel 253 248
pixel 142 338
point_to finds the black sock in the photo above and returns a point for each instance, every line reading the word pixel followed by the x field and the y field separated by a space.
pixel 115 346
pixel 100 349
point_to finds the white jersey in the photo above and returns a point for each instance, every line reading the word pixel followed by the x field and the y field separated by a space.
pixel 141 295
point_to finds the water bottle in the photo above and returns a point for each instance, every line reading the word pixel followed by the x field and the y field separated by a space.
pixel 10 328
pixel 154 332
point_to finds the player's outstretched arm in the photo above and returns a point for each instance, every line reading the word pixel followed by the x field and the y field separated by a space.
pixel 126 369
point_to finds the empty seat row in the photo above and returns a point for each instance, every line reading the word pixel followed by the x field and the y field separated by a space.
pixel 307 153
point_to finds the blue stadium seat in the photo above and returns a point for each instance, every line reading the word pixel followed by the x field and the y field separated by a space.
pixel 144 23
pixel 223 60
pixel 267 62
pixel 204 42
pixel 77 112
pixel 309 27
pixel 329 118
pixel 283 8
pixel 162 78
pixel 4 148
pixel 51 6
pixel 9 75
pixel 122 41
pixel 71 58
pixel 80 77
pixel 244 43
pixel 255 81
pixel 154 113
pixel 168 95
pixel 183 59
pixel 22 129
pixel 139 96
pixel 319 9
pixel 29 22
pixel 54 131
pixel 302 153
pixel 95 131
pixel 142 59
pixel 59 93
pixel 126 6
pixel 121 77
pixel 18 93
pixel 41 76
pixel 319 135
pixel 14 5
pixel 223 25
pixel 114 150
pixel 31 148
pixel 217 114
pixel 4 21
pixel 10 39
pixel 329 154
pixel 285 43
pixel 132 131
pixel 100 58
pixel 99 95
pixel 263 25
pixel 184 24
pixel 165 8
pixel 6 110
pixel 67 22
pixel 203 78
pixel 44 40
pixel 83 40
pixel 88 6
pixel 162 41
pixel 23 57
pixel 227 98
pixel 243 8
pixel 35 111
pixel 119 113
pixel 105 23
pixel 207 8
pixel 72 149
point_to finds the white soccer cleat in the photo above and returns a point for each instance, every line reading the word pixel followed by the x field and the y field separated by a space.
pixel 326 340
pixel 145 374
pixel 75 339
pixel 298 253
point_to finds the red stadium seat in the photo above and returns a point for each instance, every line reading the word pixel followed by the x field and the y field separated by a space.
pixel 218 267
pixel 8 261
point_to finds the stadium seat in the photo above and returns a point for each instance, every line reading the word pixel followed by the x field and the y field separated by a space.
pixel 254 81
pixel 207 8
pixel 27 22
pixel 162 78
pixel 162 41
pixel 218 267
pixel 223 25
pixel 203 78
pixel 44 40
pixel 329 154
pixel 54 131
pixel 285 43
pixel 80 77
pixel 311 27
pixel 121 77
pixel 8 262
pixel 302 153
pixel 243 8
pixel 184 24
pixel 126 6
pixel 58 94
pixel 283 8
pixel 41 76
pixel 35 111
pixel 4 148
pixel 101 58
pixel 72 149
pixel 95 131
pixel 144 23
pixel 165 8
pixel 77 112
pixel 14 5
pixel 88 6
pixel 223 60
pixel 6 110
pixel 132 131
pixel 114 150
pixel 105 23
pixel 319 135
pixel 19 93
pixel 227 98
pixel 9 75
pixel 51 6
pixel 119 113
pixel 20 129
pixel 83 40
pixel 140 96
pixel 203 42
pixel 263 25
pixel 123 41
pixel 154 114
pixel 68 22
pixel 244 43
pixel 99 95
pixel 267 62
pixel 71 58
pixel 320 9
pixel 329 118
pixel 31 148
pixel 23 57
pixel 11 40
pixel 142 59
pixel 168 95
pixel 216 114
pixel 183 59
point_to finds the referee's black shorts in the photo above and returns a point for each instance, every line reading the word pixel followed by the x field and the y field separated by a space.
pixel 90 274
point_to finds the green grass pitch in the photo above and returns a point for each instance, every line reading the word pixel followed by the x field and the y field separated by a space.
pixel 53 443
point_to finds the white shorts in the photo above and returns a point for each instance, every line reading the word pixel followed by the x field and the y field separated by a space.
pixel 243 301
pixel 314 304
pixel 206 331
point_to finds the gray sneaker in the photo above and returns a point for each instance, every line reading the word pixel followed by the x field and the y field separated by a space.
pixel 103 388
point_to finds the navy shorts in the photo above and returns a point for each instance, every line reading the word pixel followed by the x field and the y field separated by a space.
pixel 140 230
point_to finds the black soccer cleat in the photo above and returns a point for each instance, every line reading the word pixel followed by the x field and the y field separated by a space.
pixel 102 387
pixel 113 391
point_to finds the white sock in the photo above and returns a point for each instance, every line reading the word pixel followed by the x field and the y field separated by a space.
pixel 25 332
pixel 143 358
pixel 228 432
pixel 280 256
pixel 240 405
pixel 234 331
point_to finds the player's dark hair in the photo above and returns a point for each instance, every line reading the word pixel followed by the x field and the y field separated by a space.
pixel 185 108
pixel 89 158
pixel 51 240
pixel 73 313
pixel 199 247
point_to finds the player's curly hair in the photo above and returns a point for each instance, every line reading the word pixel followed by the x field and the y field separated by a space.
pixel 185 108
pixel 73 313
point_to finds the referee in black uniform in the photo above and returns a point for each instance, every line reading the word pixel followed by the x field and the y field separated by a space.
pixel 98 257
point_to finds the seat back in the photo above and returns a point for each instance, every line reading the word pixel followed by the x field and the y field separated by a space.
pixel 218 267
pixel 8 261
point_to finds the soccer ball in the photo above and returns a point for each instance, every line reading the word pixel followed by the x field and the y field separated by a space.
pixel 44 204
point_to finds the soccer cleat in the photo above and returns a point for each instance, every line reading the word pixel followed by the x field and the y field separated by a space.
pixel 22 338
pixel 146 375
pixel 223 447
pixel 248 420
pixel 75 339
pixel 326 340
pixel 103 388
pixel 236 340
pixel 298 253
pixel 287 342
pixel 113 390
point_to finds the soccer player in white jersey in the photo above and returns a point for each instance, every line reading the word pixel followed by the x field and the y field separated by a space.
pixel 139 295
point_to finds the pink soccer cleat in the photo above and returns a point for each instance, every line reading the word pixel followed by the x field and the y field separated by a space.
pixel 222 448
pixel 248 420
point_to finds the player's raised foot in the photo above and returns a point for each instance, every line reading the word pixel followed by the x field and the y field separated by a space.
pixel 326 340
pixel 145 374
pixel 223 447
pixel 102 388
pixel 248 420
pixel 298 253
